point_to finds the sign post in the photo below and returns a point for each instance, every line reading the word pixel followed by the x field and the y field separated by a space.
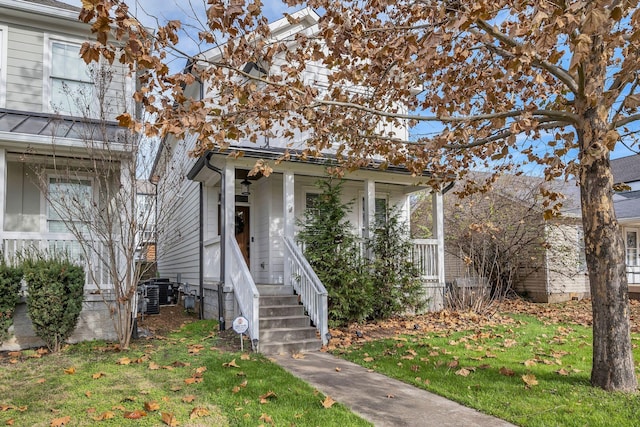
pixel 240 325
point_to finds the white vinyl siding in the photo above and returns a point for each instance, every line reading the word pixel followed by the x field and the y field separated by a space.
pixel 3 65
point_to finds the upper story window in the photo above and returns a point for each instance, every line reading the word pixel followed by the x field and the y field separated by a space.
pixel 69 88
pixel 3 65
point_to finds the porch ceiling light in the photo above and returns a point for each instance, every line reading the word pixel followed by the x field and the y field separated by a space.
pixel 244 186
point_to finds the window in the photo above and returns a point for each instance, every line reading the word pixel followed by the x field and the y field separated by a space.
pixel 69 203
pixel 631 243
pixel 380 213
pixel 70 80
pixel 3 66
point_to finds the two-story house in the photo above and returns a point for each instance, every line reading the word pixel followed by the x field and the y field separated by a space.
pixel 57 133
pixel 234 232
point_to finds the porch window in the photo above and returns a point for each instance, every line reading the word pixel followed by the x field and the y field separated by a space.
pixel 69 202
pixel 631 243
pixel 70 82
pixel 380 213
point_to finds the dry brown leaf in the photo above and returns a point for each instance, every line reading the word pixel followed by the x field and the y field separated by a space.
pixel 268 395
pixel 22 408
pixel 530 380
pixel 41 380
pixel 201 370
pixel 118 408
pixel 98 375
pixel 368 359
pixel 9 422
pixel 297 356
pixel 529 363
pixel 134 415
pixel 70 371
pixel 338 369
pixel 453 364
pixel 188 398
pixel 463 372
pixel 179 364
pixel 245 356
pixel 153 366
pixel 176 388
pixel 59 422
pixel 123 361
pixel 266 418
pixel 169 419
pixel 509 343
pixel 506 372
pixel 107 415
pixel 151 406
pixel 88 393
pixel 562 372
pixel 5 408
pixel 14 354
pixel 198 412
pixel 231 364
pixel 328 402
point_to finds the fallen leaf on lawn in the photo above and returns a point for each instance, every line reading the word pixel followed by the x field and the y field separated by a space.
pixel 297 356
pixel 88 393
pixel 506 372
pixel 91 410
pixel 59 422
pixel 128 399
pixel 453 364
pixel 123 361
pixel 5 408
pixel 235 390
pixel 266 418
pixel 22 408
pixel 175 388
pixel 70 371
pixel 98 375
pixel 193 380
pixel 268 395
pixel 484 366
pixel 509 343
pixel 201 369
pixel 107 415
pixel 188 398
pixel 562 372
pixel 151 406
pixel 14 354
pixel 368 359
pixel 245 356
pixel 529 363
pixel 9 422
pixel 198 412
pixel 118 408
pixel 490 355
pixel 134 415
pixel 41 380
pixel 231 364
pixel 153 366
pixel 463 372
pixel 169 419
pixel 328 402
pixel 530 380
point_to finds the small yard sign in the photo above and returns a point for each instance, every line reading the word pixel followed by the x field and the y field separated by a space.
pixel 240 325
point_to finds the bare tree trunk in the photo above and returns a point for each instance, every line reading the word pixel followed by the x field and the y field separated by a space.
pixel 612 367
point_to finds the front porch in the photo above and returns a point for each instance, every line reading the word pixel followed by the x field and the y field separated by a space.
pixel 249 240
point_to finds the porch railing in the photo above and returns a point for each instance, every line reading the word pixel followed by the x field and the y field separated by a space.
pixel 14 243
pixel 246 292
pixel 424 255
pixel 633 274
pixel 306 283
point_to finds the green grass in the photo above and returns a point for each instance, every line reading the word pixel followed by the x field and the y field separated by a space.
pixel 38 391
pixel 557 356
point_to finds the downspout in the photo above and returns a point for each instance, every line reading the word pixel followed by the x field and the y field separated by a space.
pixel 201 264
pixel 223 233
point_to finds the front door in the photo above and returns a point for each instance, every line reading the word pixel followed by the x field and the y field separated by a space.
pixel 242 231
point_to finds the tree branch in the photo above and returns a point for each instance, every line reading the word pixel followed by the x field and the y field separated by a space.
pixel 560 73
pixel 625 121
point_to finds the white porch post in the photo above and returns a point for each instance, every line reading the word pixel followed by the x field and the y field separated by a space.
pixel 437 212
pixel 229 220
pixel 3 192
pixel 288 214
pixel 369 211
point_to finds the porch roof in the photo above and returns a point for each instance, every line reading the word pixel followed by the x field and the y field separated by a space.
pixel 54 125
pixel 199 171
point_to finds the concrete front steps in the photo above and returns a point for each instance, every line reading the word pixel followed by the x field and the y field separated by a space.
pixel 284 328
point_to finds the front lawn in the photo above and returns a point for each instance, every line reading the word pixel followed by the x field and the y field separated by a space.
pixel 530 371
pixel 181 380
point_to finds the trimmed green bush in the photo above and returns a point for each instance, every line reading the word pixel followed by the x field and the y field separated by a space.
pixel 55 293
pixel 9 295
pixel 399 288
pixel 333 251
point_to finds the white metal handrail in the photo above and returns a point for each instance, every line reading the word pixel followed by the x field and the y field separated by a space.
pixel 246 292
pixel 306 283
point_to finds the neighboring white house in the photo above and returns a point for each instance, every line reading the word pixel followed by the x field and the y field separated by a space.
pixel 626 170
pixel 48 111
pixel 234 234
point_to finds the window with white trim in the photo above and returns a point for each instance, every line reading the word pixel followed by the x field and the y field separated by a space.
pixel 71 85
pixel 69 202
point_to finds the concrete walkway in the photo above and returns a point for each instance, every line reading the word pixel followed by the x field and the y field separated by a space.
pixel 380 399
